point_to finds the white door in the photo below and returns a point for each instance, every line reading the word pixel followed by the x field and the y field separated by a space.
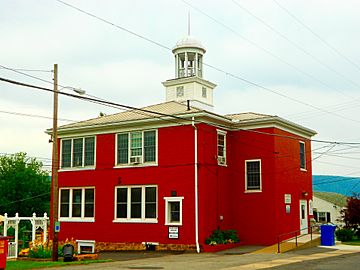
pixel 303 217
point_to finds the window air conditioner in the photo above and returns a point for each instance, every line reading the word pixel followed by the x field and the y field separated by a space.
pixel 135 160
pixel 221 160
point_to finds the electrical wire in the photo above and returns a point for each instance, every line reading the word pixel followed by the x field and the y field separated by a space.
pixel 211 66
pixel 26 199
pixel 301 49
pixel 30 70
pixel 261 47
pixel 35 115
pixel 162 115
pixel 318 36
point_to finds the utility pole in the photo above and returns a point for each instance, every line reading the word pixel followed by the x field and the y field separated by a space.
pixel 55 167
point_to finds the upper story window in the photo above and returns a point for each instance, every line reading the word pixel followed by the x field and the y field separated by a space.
pixel 136 204
pixel 77 204
pixel 302 156
pixel 78 152
pixel 204 93
pixel 180 91
pixel 253 175
pixel 221 147
pixel 136 147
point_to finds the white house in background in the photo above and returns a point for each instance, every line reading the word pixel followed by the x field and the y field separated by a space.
pixel 327 207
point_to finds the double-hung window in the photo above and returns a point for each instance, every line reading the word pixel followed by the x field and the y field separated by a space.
pixel 221 147
pixel 302 156
pixel 136 147
pixel 136 204
pixel 253 175
pixel 77 204
pixel 78 152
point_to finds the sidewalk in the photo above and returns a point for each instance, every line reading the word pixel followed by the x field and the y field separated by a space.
pixel 229 260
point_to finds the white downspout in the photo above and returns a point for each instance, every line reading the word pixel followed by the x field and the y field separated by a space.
pixel 196 186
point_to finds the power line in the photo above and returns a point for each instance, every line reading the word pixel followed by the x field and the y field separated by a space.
pixel 339 180
pixel 35 115
pixel 323 153
pixel 27 75
pixel 29 70
pixel 92 98
pixel 287 39
pixel 282 95
pixel 115 25
pixel 161 115
pixel 213 67
pixel 298 47
pixel 26 199
pixel 259 46
pixel 336 164
pixel 318 36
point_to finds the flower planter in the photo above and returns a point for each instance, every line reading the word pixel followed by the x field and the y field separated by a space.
pixel 219 247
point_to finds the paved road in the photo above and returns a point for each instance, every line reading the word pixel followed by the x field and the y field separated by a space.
pixel 343 262
pixel 301 259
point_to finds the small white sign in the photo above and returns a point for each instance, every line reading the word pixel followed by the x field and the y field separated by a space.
pixel 287 209
pixel 287 198
pixel 173 232
pixel 173 229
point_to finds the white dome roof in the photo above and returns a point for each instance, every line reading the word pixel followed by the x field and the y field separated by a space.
pixel 189 42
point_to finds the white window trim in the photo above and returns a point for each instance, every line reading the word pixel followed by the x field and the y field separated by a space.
pixel 135 220
pixel 173 199
pixel 246 187
pixel 83 167
pixel 303 169
pixel 76 219
pixel 86 243
pixel 221 132
pixel 142 164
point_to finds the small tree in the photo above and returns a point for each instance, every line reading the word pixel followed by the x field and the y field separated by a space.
pixel 351 213
pixel 24 186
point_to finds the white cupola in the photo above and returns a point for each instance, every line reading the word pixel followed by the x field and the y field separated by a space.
pixel 189 83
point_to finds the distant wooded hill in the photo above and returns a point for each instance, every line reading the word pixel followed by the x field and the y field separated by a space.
pixel 339 184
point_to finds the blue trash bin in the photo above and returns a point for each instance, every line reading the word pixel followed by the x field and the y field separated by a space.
pixel 327 234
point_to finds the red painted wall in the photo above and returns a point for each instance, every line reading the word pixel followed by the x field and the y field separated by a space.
pixel 291 180
pixel 259 217
pixel 175 172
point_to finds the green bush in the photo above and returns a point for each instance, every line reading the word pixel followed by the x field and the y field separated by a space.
pixel 42 252
pixel 344 234
pixel 222 237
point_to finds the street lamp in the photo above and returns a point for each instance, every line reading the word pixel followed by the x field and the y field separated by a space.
pixel 55 162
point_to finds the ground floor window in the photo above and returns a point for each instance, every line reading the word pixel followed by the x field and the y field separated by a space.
pixel 173 210
pixel 77 203
pixel 322 217
pixel 253 175
pixel 136 204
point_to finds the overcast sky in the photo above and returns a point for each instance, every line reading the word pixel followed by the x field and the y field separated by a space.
pixel 304 53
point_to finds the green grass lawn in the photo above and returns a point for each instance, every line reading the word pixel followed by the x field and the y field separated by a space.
pixel 19 265
pixel 354 242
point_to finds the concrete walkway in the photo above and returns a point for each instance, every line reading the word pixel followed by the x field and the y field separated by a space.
pixel 229 260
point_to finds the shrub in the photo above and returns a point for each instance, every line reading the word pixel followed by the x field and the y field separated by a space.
pixel 38 249
pixel 344 234
pixel 222 237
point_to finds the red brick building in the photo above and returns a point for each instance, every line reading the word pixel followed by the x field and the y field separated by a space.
pixel 172 173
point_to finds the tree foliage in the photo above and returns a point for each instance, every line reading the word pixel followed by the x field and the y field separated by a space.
pixel 351 213
pixel 24 186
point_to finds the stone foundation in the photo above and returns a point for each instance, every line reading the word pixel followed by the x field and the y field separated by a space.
pixel 107 246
